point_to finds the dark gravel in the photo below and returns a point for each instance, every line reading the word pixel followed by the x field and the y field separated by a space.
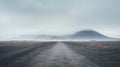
pixel 104 53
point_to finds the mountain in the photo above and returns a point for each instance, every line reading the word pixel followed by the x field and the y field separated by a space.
pixel 89 34
pixel 82 35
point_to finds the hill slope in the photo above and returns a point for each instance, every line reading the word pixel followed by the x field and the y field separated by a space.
pixel 89 34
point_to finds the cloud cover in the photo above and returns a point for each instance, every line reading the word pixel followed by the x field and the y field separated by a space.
pixel 58 17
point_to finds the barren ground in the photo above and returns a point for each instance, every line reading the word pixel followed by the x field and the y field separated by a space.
pixel 60 54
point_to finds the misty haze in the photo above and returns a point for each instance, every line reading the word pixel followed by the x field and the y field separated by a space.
pixel 59 33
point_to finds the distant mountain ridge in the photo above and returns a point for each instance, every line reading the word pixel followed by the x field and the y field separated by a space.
pixel 84 34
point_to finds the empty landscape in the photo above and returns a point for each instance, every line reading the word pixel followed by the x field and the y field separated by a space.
pixel 59 33
pixel 60 54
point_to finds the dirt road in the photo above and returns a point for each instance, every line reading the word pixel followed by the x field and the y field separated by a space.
pixel 54 55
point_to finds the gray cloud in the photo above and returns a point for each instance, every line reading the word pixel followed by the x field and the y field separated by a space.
pixel 58 17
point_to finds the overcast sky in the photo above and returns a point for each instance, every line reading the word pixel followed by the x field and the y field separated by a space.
pixel 59 17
